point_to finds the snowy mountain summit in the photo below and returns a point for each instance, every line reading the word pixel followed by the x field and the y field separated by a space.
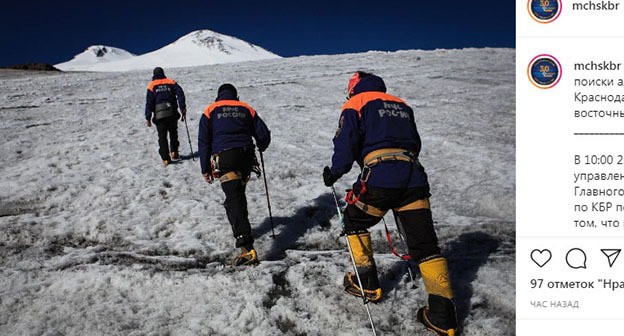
pixel 96 54
pixel 223 43
pixel 109 53
pixel 201 47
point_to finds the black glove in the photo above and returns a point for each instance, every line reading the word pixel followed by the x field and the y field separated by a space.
pixel 328 178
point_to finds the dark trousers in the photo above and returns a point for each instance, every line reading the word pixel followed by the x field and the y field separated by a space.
pixel 166 126
pixel 236 209
pixel 420 236
pixel 240 160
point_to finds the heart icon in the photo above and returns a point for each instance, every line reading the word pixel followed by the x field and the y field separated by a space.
pixel 541 257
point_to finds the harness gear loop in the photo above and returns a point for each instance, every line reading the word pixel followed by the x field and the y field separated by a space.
pixel 372 159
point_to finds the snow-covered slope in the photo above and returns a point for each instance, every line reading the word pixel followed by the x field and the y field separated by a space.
pixel 97 237
pixel 202 47
pixel 97 54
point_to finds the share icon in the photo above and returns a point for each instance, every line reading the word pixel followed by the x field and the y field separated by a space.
pixel 611 254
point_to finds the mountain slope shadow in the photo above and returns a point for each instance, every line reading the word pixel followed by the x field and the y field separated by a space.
pixel 191 156
pixel 289 229
pixel 466 255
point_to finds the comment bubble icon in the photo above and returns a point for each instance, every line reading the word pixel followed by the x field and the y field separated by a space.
pixel 576 258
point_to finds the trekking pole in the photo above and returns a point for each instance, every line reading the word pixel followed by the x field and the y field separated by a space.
pixel 357 274
pixel 266 189
pixel 189 138
pixel 404 257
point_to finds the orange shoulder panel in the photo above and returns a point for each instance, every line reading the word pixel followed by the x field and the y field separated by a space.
pixel 159 82
pixel 358 101
pixel 245 105
pixel 220 103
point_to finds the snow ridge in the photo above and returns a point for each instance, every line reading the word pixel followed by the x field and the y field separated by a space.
pixel 201 47
pixel 95 54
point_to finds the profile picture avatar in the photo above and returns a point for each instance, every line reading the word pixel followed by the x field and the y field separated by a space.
pixel 544 11
pixel 544 71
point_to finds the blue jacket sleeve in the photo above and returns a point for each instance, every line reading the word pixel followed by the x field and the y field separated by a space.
pixel 261 133
pixel 347 143
pixel 149 104
pixel 180 95
pixel 204 142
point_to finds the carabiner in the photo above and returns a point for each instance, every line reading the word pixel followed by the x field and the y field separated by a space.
pixel 365 174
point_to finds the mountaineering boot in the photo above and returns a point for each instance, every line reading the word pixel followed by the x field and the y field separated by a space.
pixel 175 155
pixel 424 316
pixel 362 250
pixel 439 316
pixel 248 256
pixel 352 287
pixel 166 162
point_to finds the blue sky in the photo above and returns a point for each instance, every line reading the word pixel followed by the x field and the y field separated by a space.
pixel 53 32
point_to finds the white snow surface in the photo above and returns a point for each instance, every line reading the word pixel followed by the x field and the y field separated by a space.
pixel 97 237
pixel 201 47
pixel 97 54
